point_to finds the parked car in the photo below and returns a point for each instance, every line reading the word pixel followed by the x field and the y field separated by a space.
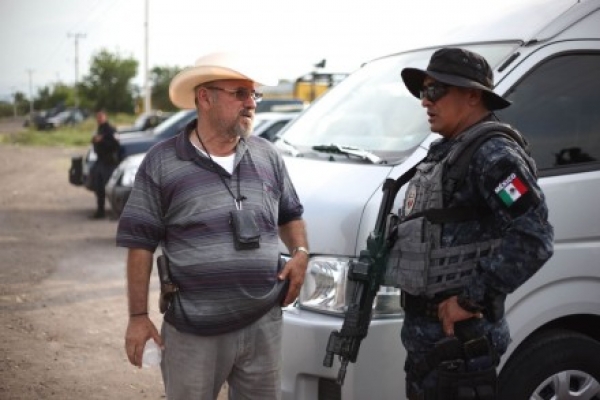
pixel 280 105
pixel 267 125
pixel 118 188
pixel 369 128
pixel 134 143
pixel 70 116
pixel 145 121
pixel 120 183
pixel 36 118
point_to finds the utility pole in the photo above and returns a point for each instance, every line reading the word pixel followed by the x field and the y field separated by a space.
pixel 147 88
pixel 30 72
pixel 76 37
pixel 14 93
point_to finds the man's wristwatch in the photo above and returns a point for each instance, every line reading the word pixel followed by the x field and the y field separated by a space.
pixel 302 249
pixel 468 305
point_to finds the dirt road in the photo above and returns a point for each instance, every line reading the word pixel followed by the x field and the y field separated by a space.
pixel 62 292
pixel 62 288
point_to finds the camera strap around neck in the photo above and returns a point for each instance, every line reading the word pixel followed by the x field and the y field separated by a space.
pixel 237 199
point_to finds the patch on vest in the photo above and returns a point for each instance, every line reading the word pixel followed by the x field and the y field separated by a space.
pixel 511 189
pixel 411 198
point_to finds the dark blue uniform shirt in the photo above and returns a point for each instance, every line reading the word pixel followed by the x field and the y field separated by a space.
pixel 500 180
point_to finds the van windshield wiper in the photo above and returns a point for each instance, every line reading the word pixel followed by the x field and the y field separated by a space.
pixel 348 150
pixel 287 146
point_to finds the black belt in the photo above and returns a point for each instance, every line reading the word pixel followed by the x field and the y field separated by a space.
pixel 419 305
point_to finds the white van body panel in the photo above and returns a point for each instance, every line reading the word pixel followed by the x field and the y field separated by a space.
pixel 577 232
pixel 309 332
pixel 570 282
pixel 330 193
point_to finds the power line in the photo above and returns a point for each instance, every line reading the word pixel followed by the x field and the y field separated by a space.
pixel 87 13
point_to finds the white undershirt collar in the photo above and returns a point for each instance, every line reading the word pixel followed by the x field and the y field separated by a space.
pixel 226 162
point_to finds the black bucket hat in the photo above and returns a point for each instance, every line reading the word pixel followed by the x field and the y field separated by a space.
pixel 457 67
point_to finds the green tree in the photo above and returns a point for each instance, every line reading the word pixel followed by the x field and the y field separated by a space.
pixel 109 83
pixel 58 95
pixel 6 108
pixel 18 103
pixel 160 78
pixel 22 103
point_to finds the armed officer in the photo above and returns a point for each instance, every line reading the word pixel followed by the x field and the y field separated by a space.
pixel 473 228
pixel 106 146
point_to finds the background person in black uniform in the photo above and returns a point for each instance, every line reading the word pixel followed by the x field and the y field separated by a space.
pixel 106 146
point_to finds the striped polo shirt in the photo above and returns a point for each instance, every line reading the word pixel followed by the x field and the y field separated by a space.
pixel 183 202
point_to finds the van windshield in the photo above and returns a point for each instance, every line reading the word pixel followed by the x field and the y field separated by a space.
pixel 372 111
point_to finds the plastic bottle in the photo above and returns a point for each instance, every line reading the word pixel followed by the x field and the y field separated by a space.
pixel 152 354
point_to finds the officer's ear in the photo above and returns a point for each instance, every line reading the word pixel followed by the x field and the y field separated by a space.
pixel 474 97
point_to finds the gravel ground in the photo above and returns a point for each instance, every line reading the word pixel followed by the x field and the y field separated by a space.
pixel 62 288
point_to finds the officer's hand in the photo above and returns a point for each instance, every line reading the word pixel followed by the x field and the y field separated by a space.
pixel 139 330
pixel 449 313
pixel 294 270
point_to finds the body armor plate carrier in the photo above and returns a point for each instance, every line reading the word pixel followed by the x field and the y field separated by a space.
pixel 417 263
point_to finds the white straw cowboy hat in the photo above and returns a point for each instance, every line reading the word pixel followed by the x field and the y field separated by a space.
pixel 213 67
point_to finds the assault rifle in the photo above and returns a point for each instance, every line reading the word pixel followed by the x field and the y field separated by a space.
pixel 367 274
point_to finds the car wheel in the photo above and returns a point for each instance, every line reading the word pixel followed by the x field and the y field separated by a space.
pixel 115 205
pixel 553 365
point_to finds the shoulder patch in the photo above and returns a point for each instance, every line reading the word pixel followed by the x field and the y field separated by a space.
pixel 511 189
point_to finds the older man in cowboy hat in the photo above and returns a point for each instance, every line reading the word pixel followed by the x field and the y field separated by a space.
pixel 476 219
pixel 216 200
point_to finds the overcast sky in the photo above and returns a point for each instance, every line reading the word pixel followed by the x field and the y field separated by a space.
pixel 37 37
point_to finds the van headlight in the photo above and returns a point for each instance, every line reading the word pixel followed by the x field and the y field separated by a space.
pixel 326 289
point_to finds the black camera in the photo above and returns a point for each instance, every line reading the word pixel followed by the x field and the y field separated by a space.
pixel 246 234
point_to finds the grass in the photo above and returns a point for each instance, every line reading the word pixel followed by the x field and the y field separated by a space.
pixel 68 136
pixel 79 135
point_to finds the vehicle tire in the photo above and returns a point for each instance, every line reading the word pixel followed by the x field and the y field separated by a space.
pixel 117 207
pixel 556 364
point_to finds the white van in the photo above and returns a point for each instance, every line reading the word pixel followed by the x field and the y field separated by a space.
pixel 369 128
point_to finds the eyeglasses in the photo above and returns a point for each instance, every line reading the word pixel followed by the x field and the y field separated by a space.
pixel 241 94
pixel 433 92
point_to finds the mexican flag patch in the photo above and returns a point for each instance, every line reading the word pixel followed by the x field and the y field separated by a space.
pixel 511 189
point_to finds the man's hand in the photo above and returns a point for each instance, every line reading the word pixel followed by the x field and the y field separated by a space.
pixel 139 330
pixel 449 313
pixel 294 270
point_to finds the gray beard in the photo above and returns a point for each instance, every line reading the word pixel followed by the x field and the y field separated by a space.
pixel 235 131
pixel 239 131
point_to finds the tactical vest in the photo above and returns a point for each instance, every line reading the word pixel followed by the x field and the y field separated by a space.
pixel 417 263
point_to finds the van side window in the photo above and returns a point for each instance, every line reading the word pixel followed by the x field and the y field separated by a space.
pixel 557 108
